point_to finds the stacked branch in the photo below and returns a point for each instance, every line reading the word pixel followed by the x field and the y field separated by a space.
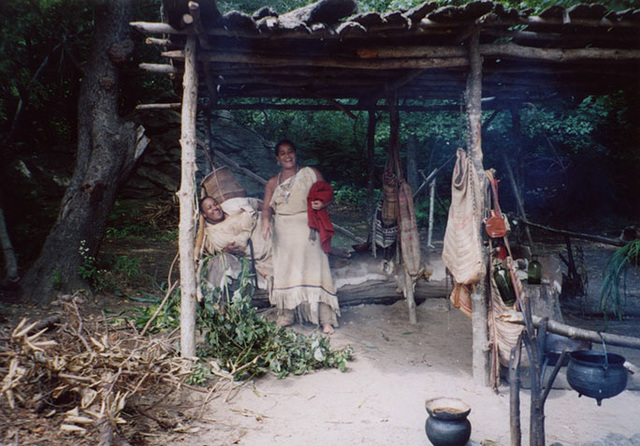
pixel 78 374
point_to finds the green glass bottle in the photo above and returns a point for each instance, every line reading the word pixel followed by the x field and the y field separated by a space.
pixel 534 271
pixel 505 287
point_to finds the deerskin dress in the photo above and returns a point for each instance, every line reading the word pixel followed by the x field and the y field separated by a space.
pixel 301 273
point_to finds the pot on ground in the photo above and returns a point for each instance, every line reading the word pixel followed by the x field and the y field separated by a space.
pixel 447 424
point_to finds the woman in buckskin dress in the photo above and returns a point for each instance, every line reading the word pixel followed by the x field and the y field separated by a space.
pixel 302 285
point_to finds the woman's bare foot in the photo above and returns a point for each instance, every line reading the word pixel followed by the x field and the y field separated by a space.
pixel 285 318
pixel 328 329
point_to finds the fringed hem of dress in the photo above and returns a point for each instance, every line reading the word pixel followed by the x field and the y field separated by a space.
pixel 306 301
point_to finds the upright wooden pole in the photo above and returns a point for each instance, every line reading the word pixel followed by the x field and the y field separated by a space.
pixel 515 428
pixel 515 119
pixel 432 198
pixel 473 96
pixel 371 141
pixel 187 195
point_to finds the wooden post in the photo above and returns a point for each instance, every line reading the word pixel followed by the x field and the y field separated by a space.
pixel 371 141
pixel 515 119
pixel 412 162
pixel 432 197
pixel 514 394
pixel 536 417
pixel 473 96
pixel 186 194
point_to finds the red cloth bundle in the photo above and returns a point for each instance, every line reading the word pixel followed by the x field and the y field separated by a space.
pixel 319 220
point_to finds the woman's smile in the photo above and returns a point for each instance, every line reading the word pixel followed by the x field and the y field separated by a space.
pixel 287 156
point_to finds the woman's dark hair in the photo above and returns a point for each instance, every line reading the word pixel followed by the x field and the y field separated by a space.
pixel 283 142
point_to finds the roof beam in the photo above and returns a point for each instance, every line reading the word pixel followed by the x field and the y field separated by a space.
pixel 266 61
pixel 499 50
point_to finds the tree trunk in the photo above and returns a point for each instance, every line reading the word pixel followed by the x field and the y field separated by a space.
pixel 106 154
pixel 9 255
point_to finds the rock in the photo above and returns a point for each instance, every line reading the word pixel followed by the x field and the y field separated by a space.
pixel 158 171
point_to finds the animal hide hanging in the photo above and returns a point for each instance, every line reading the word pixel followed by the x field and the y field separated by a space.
pixel 409 237
pixel 462 251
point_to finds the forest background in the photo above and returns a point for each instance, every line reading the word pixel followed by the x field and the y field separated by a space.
pixel 578 170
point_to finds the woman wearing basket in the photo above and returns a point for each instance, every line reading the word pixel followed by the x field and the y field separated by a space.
pixel 302 283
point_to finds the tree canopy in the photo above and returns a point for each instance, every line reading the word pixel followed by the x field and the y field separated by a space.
pixel 587 146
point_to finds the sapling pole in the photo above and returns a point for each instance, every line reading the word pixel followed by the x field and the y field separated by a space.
pixel 473 99
pixel 187 195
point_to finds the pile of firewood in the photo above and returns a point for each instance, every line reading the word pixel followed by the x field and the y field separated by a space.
pixel 82 371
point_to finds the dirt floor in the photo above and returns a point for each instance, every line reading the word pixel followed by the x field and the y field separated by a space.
pixel 380 399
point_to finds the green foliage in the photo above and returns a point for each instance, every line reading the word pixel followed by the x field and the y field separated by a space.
pixel 89 270
pixel 129 221
pixel 199 374
pixel 349 196
pixel 57 280
pixel 242 342
pixel 169 236
pixel 44 44
pixel 167 317
pixel 422 213
pixel 569 126
pixel 110 272
pixel 127 266
pixel 51 35
pixel 246 344
pixel 125 232
pixel 250 6
pixel 282 6
pixel 612 294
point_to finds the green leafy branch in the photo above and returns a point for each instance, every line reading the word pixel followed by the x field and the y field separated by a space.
pixel 611 298
pixel 247 344
pixel 244 343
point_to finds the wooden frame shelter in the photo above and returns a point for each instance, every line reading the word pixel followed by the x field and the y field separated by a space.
pixel 351 61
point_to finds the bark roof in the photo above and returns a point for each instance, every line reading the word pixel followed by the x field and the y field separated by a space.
pixel 328 50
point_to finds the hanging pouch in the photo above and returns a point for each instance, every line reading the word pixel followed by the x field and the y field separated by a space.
pixel 495 224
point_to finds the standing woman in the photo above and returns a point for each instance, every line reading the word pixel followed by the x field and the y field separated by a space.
pixel 302 278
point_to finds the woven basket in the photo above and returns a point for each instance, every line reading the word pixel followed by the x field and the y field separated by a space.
pixel 222 185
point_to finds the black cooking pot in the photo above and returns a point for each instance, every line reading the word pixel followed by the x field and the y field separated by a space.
pixel 555 344
pixel 596 374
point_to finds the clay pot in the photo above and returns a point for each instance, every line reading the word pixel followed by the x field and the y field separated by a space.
pixel 597 375
pixel 447 424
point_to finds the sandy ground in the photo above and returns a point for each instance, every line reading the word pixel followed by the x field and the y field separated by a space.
pixel 380 399
pixel 397 366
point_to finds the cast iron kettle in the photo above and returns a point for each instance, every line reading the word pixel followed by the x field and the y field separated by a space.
pixel 597 374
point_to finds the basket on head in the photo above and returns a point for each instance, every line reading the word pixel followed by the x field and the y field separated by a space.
pixel 222 185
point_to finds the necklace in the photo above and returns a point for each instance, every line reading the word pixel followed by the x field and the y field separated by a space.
pixel 288 183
